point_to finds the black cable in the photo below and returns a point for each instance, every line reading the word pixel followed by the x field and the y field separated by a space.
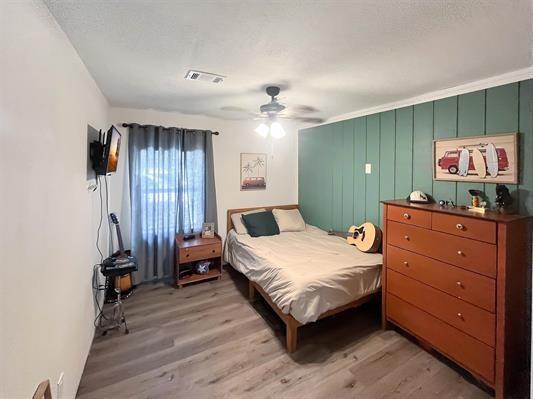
pixel 107 213
pixel 96 286
pixel 101 218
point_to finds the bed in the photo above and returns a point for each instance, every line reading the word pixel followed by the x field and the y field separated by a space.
pixel 304 276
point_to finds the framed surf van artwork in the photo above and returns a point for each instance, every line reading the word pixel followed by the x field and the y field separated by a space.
pixel 482 159
pixel 253 171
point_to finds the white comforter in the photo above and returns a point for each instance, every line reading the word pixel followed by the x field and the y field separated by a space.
pixel 305 273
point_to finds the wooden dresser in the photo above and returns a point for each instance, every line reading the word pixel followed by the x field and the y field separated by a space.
pixel 457 281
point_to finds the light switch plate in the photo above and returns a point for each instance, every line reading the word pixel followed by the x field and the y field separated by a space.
pixel 368 168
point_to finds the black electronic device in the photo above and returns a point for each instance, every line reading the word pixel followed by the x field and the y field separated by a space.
pixel 120 263
pixel 116 266
pixel 105 151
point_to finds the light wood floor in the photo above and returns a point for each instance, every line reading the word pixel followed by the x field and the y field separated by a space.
pixel 207 341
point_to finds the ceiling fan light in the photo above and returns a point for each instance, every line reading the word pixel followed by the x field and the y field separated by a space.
pixel 277 131
pixel 262 130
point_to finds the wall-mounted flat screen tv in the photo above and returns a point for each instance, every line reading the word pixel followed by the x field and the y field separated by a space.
pixel 111 149
pixel 104 152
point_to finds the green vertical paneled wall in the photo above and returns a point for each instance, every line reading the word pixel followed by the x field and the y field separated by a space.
pixel 334 191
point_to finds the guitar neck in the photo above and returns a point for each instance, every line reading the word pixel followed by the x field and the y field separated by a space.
pixel 343 234
pixel 120 242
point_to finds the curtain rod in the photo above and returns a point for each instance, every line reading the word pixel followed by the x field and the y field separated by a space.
pixel 129 124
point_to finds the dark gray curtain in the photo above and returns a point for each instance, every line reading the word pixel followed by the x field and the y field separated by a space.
pixel 172 190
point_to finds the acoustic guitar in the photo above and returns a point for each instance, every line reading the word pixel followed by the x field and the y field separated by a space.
pixel 367 237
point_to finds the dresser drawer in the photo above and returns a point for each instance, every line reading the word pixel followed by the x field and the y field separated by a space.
pixel 469 254
pixel 409 216
pixel 471 287
pixel 469 352
pixel 482 230
pixel 466 317
pixel 199 252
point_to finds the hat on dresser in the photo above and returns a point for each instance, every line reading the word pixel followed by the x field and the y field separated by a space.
pixel 418 197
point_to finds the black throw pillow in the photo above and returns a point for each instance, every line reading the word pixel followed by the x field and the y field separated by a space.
pixel 261 224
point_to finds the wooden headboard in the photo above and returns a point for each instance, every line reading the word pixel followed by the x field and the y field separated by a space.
pixel 229 224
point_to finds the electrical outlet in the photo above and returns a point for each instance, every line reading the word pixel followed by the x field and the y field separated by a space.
pixel 60 385
pixel 368 168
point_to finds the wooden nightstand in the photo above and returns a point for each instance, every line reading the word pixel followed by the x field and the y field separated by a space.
pixel 190 251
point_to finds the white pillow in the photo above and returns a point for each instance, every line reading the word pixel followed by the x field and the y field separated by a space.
pixel 289 220
pixel 236 219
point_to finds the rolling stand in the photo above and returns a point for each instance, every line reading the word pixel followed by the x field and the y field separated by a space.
pixel 114 268
pixel 116 316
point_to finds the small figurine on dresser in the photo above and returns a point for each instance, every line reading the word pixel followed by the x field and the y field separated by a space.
pixel 443 204
pixel 503 198
pixel 478 205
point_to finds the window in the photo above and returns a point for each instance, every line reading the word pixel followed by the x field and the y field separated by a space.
pixel 171 191
pixel 163 182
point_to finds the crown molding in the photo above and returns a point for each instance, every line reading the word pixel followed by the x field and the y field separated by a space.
pixel 509 77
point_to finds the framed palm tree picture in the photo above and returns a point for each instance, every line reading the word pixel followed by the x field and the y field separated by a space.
pixel 253 171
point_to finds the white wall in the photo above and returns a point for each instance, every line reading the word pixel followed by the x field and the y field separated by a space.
pixel 48 217
pixel 235 137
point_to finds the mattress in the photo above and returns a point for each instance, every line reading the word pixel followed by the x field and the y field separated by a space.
pixel 305 273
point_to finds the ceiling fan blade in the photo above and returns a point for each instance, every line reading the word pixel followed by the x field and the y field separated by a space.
pixel 305 119
pixel 301 109
pixel 240 110
pixel 313 120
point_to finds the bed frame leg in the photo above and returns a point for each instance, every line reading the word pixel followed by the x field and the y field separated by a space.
pixel 292 335
pixel 251 291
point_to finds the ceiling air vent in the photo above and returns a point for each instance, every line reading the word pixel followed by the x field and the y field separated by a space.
pixel 204 76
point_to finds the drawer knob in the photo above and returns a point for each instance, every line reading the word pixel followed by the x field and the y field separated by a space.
pixel 460 226
pixel 460 315
pixel 406 237
pixel 406 263
pixel 459 253
pixel 406 216
pixel 459 284
pixel 187 255
pixel 213 251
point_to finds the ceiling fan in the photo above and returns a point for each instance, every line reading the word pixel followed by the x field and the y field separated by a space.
pixel 278 110
pixel 274 110
pixel 274 106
